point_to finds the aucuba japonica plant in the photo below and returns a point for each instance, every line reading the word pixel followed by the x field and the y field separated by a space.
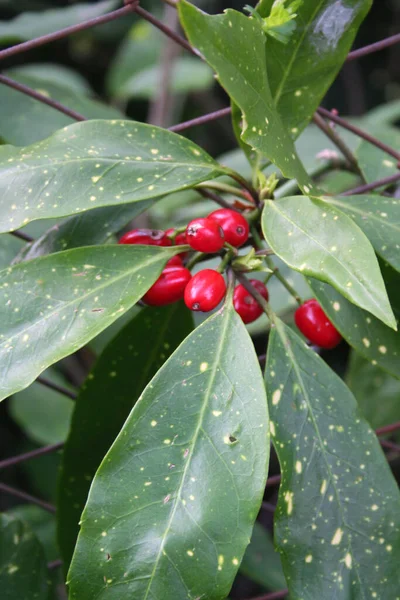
pixel 219 288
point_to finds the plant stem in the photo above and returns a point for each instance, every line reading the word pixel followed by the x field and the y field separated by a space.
pixel 247 186
pixel 389 41
pixel 256 295
pixel 226 260
pixel 217 114
pixel 372 186
pixel 24 496
pixel 224 188
pixel 22 236
pixel 54 564
pixel 58 388
pixel 15 460
pixel 339 143
pixel 274 480
pixel 195 259
pixel 216 198
pixel 388 428
pixel 273 596
pixel 171 34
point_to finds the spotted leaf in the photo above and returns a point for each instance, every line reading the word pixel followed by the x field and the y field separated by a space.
pixel 52 306
pixel 319 240
pixel 23 569
pixel 230 43
pixel 88 229
pixel 141 347
pixel 374 163
pixel 301 72
pixel 379 218
pixel 378 343
pixel 337 523
pixel 93 164
pixel 172 506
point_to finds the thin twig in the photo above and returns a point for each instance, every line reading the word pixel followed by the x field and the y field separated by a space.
pixel 372 186
pixel 274 480
pixel 215 198
pixel 339 143
pixel 388 428
pixel 54 564
pixel 20 87
pixel 217 114
pixel 390 445
pixel 389 41
pixel 21 235
pixel 359 132
pixel 24 496
pixel 272 596
pixel 15 460
pixel 268 506
pixel 58 388
pixel 171 34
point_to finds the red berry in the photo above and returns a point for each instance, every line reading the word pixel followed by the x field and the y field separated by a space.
pixel 234 225
pixel 205 290
pixel 245 305
pixel 315 325
pixel 169 287
pixel 175 261
pixel 150 237
pixel 205 235
pixel 180 239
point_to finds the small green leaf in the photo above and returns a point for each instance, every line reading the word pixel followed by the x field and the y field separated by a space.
pixel 43 525
pixel 94 164
pixel 301 72
pixel 318 240
pixel 26 121
pixel 369 336
pixel 9 248
pixel 280 24
pixel 185 477
pixel 261 562
pixel 338 514
pixel 374 163
pixel 23 571
pixel 29 25
pixel 379 218
pixel 377 393
pixel 141 347
pixel 230 43
pixel 42 413
pixel 52 306
pixel 88 229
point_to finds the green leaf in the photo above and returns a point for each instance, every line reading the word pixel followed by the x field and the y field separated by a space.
pixel 93 164
pixel 280 23
pixel 141 347
pixel 43 525
pixel 29 25
pixel 338 514
pixel 374 163
pixel 301 72
pixel 26 121
pixel 23 572
pixel 186 475
pixel 54 73
pixel 187 75
pixel 42 413
pixel 379 218
pixel 230 43
pixel 369 336
pixel 9 247
pixel 88 229
pixel 261 562
pixel 318 240
pixel 377 393
pixel 52 306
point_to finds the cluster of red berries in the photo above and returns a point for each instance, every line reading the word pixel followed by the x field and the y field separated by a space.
pixel 205 290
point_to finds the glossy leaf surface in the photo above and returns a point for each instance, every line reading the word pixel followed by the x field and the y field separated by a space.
pixel 88 229
pixel 338 514
pixel 23 570
pixel 369 336
pixel 25 120
pixel 125 367
pixel 261 562
pixel 93 164
pixel 27 26
pixel 321 241
pixel 60 302
pixel 379 218
pixel 301 71
pixel 377 393
pixel 374 163
pixel 230 43
pixel 186 475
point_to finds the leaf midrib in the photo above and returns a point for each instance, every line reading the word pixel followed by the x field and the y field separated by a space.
pixel 287 346
pixel 207 395
pixel 343 265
